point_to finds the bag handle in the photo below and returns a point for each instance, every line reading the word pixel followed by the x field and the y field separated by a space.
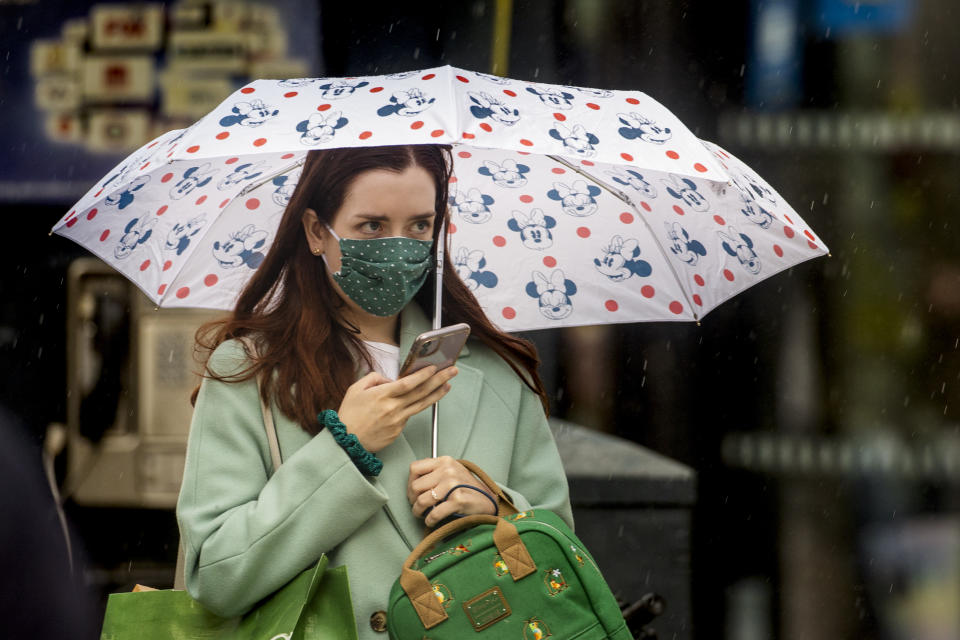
pixel 418 588
pixel 505 506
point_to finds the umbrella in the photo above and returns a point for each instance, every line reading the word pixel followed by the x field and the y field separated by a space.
pixel 571 206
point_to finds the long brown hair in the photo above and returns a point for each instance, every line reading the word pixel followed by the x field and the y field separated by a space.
pixel 291 312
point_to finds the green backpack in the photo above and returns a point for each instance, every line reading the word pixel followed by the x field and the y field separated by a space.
pixel 525 576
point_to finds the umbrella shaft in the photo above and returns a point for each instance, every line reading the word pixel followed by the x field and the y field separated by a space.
pixel 437 317
pixel 433 446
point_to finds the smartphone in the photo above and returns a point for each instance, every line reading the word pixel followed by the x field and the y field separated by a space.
pixel 439 347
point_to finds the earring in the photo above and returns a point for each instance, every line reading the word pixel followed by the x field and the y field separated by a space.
pixel 317 251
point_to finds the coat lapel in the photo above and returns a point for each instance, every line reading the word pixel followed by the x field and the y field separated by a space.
pixel 393 480
pixel 458 410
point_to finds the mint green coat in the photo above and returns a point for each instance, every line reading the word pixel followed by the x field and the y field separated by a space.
pixel 245 533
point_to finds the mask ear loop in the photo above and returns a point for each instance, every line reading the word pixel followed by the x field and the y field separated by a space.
pixel 324 254
pixel 332 232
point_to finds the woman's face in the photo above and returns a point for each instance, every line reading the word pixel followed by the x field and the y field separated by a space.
pixel 379 204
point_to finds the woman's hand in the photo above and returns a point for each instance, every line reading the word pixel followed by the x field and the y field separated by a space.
pixel 375 409
pixel 431 479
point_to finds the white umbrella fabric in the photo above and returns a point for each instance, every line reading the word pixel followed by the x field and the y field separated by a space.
pixel 571 206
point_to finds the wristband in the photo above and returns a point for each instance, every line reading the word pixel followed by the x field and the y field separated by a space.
pixel 366 462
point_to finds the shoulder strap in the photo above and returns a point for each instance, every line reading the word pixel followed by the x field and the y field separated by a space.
pixel 179 575
pixel 271 428
pixel 272 441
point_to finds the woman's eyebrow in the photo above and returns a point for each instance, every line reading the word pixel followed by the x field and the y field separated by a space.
pixel 381 217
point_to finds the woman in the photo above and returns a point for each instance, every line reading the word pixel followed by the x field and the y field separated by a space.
pixel 319 336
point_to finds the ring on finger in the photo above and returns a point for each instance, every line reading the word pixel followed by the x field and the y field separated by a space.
pixel 433 494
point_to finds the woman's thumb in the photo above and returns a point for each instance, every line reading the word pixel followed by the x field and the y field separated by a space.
pixel 372 379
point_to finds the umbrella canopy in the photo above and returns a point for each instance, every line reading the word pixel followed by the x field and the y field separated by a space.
pixel 571 206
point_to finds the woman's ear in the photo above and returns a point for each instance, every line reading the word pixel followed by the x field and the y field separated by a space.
pixel 315 232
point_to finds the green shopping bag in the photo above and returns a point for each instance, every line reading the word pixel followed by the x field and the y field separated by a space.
pixel 313 606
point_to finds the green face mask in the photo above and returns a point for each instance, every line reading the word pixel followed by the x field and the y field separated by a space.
pixel 382 274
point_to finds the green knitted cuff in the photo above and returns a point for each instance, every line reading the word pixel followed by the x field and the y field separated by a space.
pixel 367 463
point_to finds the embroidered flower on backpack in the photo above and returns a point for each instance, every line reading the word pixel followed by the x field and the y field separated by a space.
pixel 554 580
pixel 577 555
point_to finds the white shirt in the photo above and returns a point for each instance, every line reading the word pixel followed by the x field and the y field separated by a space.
pixel 386 358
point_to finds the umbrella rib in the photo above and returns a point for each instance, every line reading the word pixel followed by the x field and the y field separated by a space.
pixel 259 183
pixel 625 198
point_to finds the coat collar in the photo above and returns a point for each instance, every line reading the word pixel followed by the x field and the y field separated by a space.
pixel 458 411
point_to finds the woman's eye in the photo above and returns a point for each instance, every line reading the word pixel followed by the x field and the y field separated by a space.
pixel 371 226
pixel 421 226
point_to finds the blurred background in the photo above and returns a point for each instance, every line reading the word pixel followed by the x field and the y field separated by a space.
pixel 819 410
